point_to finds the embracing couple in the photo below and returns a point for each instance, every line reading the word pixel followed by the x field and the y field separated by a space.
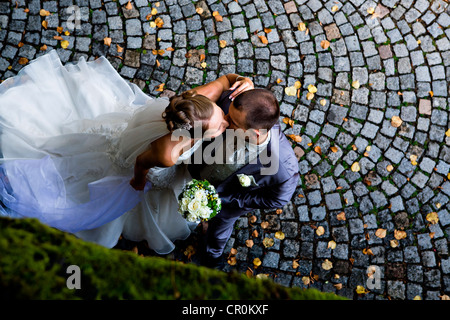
pixel 87 152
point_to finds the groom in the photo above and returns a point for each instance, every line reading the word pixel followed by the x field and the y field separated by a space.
pixel 266 175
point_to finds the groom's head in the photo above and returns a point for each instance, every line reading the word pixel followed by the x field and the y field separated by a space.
pixel 254 109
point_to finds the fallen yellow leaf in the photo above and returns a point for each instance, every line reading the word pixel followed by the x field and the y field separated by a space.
pixel 331 244
pixel 301 26
pixel 290 91
pixel 129 6
pixel 432 217
pixel 249 243
pixel 264 224
pixel 370 10
pixel 334 8
pixel 309 95
pixel 256 262
pixel 327 265
pixel 64 44
pixel 447 133
pixel 361 290
pixel 268 242
pixel 222 43
pixel 355 167
pixel 396 121
pixel 355 84
pixel 312 88
pixel 279 235
pixel 199 10
pixel 323 102
pixel 320 231
pixel 381 233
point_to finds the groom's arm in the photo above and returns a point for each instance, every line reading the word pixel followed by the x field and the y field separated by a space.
pixel 214 89
pixel 275 196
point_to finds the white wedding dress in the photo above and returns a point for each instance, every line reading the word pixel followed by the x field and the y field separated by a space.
pixel 69 139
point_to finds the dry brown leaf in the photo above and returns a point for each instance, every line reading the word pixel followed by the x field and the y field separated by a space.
pixel 267 30
pixel 255 233
pixel 318 149
pixel 160 88
pixel 217 16
pixel 301 26
pixel 381 233
pixel 119 48
pixel 107 41
pixel 249 243
pixel 334 149
pixel 341 216
pixel 44 13
pixel 396 121
pixel 23 61
pixel 232 261
pixel 399 234
pixel 45 24
pixel 264 224
pixel 263 39
pixel 325 44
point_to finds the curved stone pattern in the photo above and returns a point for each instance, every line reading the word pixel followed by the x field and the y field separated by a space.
pixel 362 172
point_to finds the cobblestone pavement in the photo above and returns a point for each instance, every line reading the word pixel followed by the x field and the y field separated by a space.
pixel 372 143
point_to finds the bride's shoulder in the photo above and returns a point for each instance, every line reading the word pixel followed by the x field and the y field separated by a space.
pixel 169 147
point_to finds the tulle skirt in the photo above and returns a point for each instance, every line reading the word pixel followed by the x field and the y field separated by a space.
pixel 69 136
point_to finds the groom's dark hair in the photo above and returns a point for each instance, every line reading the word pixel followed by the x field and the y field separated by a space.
pixel 261 107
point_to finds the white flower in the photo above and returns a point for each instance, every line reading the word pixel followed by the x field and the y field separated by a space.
pixel 204 212
pixel 192 217
pixel 193 206
pixel 200 195
pixel 244 180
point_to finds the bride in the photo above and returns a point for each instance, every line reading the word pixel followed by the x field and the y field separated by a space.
pixel 87 152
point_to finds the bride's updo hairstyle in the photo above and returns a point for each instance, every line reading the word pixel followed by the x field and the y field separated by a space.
pixel 186 109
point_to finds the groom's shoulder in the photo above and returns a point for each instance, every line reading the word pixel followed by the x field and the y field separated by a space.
pixel 286 156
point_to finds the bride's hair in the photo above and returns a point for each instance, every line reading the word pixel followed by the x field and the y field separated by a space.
pixel 186 109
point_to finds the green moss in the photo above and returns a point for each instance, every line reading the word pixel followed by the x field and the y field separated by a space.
pixel 34 260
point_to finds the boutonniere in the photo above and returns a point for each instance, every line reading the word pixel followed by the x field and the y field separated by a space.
pixel 246 181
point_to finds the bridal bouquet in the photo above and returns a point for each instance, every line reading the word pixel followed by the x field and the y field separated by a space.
pixel 199 201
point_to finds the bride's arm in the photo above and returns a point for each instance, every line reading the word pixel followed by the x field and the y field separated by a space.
pixel 231 81
pixel 163 152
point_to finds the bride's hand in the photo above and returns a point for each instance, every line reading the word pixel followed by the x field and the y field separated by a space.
pixel 242 84
pixel 138 184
